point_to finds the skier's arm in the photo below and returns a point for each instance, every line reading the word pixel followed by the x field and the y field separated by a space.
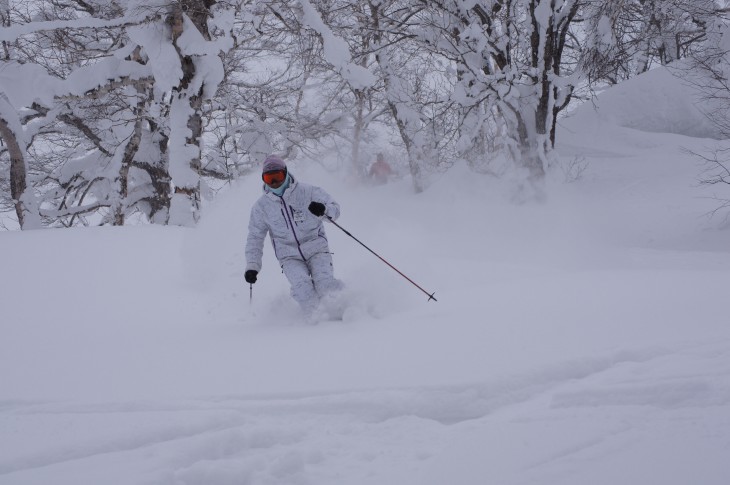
pixel 257 230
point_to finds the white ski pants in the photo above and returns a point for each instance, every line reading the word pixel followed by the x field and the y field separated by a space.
pixel 311 280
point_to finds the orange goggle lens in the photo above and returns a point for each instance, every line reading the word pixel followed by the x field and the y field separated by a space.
pixel 274 177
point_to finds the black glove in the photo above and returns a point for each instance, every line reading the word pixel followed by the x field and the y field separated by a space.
pixel 250 276
pixel 317 208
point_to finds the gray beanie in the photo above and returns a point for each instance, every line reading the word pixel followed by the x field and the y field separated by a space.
pixel 273 162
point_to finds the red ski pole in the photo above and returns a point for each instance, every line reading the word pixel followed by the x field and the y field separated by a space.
pixel 430 295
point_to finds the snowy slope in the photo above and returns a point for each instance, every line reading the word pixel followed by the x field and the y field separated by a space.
pixel 583 340
pixel 662 100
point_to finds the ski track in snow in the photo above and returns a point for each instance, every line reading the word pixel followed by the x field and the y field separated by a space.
pixel 222 440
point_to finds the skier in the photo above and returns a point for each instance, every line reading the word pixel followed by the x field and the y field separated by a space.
pixel 291 212
pixel 380 171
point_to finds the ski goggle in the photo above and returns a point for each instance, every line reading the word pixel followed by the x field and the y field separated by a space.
pixel 274 177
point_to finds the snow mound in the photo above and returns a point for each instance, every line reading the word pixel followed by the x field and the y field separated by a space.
pixel 658 101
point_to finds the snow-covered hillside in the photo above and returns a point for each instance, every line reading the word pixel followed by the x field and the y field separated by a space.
pixel 579 341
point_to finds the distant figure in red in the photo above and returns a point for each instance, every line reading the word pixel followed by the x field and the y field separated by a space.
pixel 380 170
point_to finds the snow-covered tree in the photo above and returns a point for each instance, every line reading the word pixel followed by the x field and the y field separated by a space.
pixel 276 94
pixel 708 70
pixel 115 127
pixel 112 111
pixel 416 83
pixel 509 72
pixel 623 38
pixel 200 72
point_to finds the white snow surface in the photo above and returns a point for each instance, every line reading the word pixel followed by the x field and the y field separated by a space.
pixel 662 100
pixel 583 340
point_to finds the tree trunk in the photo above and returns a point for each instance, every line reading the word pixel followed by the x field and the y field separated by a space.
pixel 186 200
pixel 18 174
pixel 414 152
pixel 357 131
pixel 119 210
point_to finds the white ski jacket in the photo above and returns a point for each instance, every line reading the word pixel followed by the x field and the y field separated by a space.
pixel 295 232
